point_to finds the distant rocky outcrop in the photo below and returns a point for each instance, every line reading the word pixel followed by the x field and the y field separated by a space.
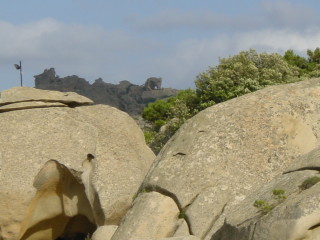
pixel 125 96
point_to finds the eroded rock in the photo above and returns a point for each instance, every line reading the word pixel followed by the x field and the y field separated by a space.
pixel 60 207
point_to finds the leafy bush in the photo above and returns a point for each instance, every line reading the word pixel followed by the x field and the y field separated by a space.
pixel 307 67
pixel 166 117
pixel 279 194
pixel 263 206
pixel 309 182
pixel 241 74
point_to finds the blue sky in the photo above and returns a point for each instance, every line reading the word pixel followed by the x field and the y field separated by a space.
pixel 136 39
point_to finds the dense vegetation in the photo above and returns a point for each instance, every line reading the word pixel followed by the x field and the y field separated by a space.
pixel 237 75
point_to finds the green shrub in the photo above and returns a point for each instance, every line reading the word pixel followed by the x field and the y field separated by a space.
pixel 263 206
pixel 166 117
pixel 243 73
pixel 182 214
pixel 279 195
pixel 309 182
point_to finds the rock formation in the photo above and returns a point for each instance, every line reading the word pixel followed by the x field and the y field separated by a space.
pixel 124 96
pixel 244 169
pixel 154 216
pixel 38 125
pixel 232 149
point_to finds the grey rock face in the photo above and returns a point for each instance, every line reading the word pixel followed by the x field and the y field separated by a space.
pixel 32 136
pixel 227 151
pixel 295 217
pixel 124 96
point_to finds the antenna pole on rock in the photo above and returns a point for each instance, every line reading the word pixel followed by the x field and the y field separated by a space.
pixel 19 67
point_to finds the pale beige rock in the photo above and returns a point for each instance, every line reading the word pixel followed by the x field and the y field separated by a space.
pixel 12 213
pixel 31 137
pixel 310 160
pixel 244 221
pixel 237 146
pixel 153 216
pixel 104 232
pixel 209 204
pixel 29 105
pixel 60 207
pixel 182 229
pixel 26 94
pixel 172 238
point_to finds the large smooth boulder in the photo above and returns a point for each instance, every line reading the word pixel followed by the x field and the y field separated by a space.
pixel 30 136
pixel 228 150
pixel 153 216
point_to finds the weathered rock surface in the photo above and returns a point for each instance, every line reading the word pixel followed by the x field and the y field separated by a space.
pixel 32 136
pixel 124 96
pixel 153 216
pixel 24 94
pixel 104 232
pixel 227 151
pixel 182 229
pixel 296 217
pixel 172 238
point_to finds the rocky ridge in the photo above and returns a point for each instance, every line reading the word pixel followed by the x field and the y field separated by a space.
pixel 125 96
